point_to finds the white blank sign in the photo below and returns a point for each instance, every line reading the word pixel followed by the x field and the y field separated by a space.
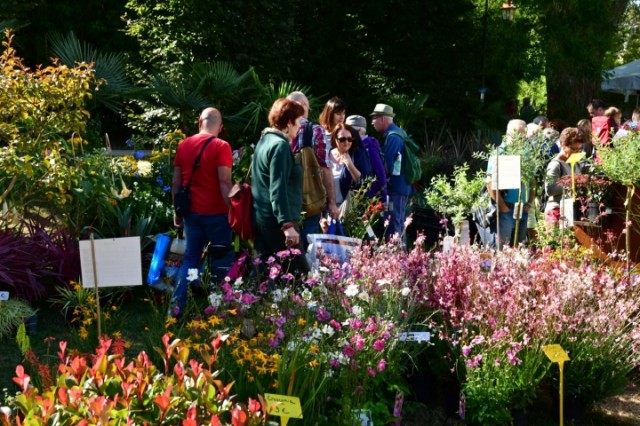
pixel 508 172
pixel 118 262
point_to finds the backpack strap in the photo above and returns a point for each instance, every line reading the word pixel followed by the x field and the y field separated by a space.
pixel 196 163
pixel 307 135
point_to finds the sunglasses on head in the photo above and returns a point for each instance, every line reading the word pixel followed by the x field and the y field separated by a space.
pixel 345 139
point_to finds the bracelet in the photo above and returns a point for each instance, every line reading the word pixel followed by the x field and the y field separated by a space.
pixel 287 225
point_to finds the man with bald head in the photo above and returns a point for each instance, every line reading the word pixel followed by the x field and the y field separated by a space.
pixel 207 220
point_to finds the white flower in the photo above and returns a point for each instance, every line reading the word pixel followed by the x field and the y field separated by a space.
pixel 364 296
pixel 277 295
pixel 238 282
pixel 405 291
pixel 352 290
pixel 313 304
pixel 192 274
pixel 357 311
pixel 382 283
pixel 215 299
pixel 306 295
pixel 144 168
pixel 328 330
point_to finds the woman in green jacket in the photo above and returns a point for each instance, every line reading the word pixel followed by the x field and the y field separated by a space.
pixel 276 186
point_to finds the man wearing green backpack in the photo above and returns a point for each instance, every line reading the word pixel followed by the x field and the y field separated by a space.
pixel 398 163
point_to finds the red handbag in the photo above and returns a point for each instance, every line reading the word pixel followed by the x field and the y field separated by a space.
pixel 240 209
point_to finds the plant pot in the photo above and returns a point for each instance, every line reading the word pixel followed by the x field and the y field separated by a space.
pixel 31 324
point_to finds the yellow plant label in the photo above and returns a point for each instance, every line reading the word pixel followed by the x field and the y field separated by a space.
pixel 283 405
pixel 555 353
pixel 575 158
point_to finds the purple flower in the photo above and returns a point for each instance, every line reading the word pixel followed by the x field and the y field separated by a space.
pixel 323 315
pixel 283 254
pixel 274 271
pixel 382 364
pixel 210 310
pixel 371 372
pixel 378 345
pixel 335 324
pixel 175 311
pixel 139 155
pixel 334 363
pixel 248 299
pixel 288 276
pixel 466 350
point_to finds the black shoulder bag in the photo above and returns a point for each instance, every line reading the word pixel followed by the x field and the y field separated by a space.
pixel 182 198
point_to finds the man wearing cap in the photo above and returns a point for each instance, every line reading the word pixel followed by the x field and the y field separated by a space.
pixel 398 188
pixel 379 185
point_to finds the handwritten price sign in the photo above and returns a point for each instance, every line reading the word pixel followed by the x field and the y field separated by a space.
pixel 285 406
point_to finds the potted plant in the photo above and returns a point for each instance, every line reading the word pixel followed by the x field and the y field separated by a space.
pixel 13 312
pixel 454 198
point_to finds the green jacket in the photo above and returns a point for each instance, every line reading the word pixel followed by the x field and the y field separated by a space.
pixel 276 181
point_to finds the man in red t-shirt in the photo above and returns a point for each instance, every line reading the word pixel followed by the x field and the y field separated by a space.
pixel 207 220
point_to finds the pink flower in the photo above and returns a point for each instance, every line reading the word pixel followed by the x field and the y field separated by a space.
pixel 466 350
pixel 371 372
pixel 382 364
pixel 378 345
pixel 348 351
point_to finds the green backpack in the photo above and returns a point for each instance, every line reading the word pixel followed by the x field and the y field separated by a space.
pixel 411 167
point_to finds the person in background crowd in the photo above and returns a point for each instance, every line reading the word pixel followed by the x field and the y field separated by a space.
pixel 379 185
pixel 527 112
pixel 541 121
pixel 333 113
pixel 398 188
pixel 207 221
pixel 506 200
pixel 630 126
pixel 571 141
pixel 584 126
pixel 349 163
pixel 276 185
pixel 321 148
pixel 596 108
pixel 615 118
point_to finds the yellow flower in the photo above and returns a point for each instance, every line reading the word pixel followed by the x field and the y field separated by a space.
pixel 275 384
pixel 214 321
pixel 83 332
pixel 314 363
pixel 169 322
pixel 301 321
pixel 314 349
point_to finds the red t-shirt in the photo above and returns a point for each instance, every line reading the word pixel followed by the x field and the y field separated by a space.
pixel 206 197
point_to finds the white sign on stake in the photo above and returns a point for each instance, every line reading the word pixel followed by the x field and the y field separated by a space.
pixel 507 173
pixel 118 262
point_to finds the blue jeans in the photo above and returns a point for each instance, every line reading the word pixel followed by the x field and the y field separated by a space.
pixel 396 214
pixel 508 227
pixel 199 229
pixel 310 225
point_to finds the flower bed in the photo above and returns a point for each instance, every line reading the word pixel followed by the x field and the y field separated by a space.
pixel 335 340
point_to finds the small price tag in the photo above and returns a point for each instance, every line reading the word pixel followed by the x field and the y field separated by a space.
pixel 415 336
pixel 555 353
pixel 283 406
pixel 370 232
pixel 4 295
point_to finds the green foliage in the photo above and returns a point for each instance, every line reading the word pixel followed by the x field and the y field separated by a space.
pixel 620 161
pixel 12 313
pixel 455 197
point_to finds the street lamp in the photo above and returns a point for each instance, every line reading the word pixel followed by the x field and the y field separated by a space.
pixel 508 10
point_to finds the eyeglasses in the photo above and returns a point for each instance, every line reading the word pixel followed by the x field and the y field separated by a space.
pixel 344 139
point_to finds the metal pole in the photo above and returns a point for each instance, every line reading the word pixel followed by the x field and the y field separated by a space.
pixel 484 46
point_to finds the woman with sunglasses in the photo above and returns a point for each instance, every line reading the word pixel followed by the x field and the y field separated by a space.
pixel 348 161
